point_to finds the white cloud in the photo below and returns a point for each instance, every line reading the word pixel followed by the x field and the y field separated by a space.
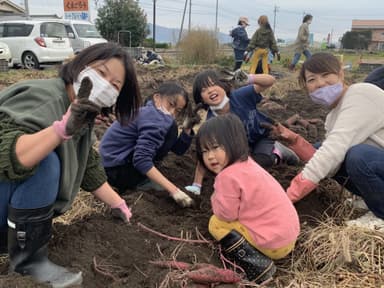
pixel 330 16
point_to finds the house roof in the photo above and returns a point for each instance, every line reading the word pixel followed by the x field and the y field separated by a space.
pixel 9 6
pixel 367 24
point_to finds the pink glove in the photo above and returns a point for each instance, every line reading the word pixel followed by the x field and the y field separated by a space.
pixel 121 211
pixel 299 188
pixel 303 149
pixel 59 126
pixel 294 141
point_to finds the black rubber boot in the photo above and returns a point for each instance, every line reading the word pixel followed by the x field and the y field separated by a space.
pixel 29 231
pixel 256 265
pixel 3 241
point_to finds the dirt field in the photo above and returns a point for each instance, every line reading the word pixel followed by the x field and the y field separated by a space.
pixel 111 254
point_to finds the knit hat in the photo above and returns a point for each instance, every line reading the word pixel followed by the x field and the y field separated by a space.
pixel 244 19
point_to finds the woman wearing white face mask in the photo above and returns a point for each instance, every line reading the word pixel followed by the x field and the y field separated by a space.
pixel 353 150
pixel 46 153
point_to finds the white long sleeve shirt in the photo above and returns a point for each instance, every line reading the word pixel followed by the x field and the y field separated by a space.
pixel 358 118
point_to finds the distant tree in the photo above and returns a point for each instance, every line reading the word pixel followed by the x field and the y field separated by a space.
pixel 122 15
pixel 356 39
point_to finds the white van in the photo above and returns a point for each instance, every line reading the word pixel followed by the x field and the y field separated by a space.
pixel 35 42
pixel 82 34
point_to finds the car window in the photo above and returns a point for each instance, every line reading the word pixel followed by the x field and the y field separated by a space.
pixel 1 30
pixel 87 31
pixel 17 30
pixel 70 32
pixel 49 29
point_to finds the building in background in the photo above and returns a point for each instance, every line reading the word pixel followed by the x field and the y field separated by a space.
pixel 8 8
pixel 376 27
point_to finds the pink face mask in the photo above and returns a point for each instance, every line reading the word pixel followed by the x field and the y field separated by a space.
pixel 327 95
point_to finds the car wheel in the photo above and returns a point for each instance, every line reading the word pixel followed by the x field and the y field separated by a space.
pixel 30 61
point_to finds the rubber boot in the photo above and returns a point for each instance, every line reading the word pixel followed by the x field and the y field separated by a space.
pixel 286 155
pixel 29 231
pixel 255 264
pixel 3 241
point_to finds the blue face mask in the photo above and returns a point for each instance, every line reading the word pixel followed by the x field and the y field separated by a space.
pixel 327 95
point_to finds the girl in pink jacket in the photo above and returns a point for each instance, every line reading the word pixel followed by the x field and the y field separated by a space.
pixel 253 220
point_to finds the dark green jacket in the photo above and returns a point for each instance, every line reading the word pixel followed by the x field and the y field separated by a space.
pixel 31 106
pixel 263 38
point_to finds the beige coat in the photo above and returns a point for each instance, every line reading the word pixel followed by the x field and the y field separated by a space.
pixel 302 40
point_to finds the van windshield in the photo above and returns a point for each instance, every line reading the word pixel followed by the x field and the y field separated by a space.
pixel 87 31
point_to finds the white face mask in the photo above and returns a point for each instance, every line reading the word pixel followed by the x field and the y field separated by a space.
pixel 165 111
pixel 221 105
pixel 102 93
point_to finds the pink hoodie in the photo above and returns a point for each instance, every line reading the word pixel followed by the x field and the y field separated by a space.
pixel 246 192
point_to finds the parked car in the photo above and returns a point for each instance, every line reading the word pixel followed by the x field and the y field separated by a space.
pixel 36 42
pixel 5 54
pixel 82 34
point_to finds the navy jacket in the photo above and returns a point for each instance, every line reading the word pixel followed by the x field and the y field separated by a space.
pixel 147 138
pixel 240 38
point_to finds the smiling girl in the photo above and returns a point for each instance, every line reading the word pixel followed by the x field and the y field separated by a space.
pixel 219 99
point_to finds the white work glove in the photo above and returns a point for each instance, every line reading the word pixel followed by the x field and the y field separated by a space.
pixel 240 78
pixel 247 56
pixel 182 199
pixel 194 188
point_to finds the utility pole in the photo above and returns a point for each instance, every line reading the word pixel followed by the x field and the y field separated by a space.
pixel 182 21
pixel 275 10
pixel 190 15
pixel 26 7
pixel 217 13
pixel 154 25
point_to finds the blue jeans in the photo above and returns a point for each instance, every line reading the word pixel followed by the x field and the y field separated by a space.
pixel 362 173
pixel 297 56
pixel 39 190
pixel 239 56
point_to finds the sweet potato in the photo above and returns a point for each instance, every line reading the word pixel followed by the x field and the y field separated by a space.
pixel 212 274
pixel 172 264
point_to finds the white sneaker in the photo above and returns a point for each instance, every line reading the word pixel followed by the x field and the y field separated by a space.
pixel 367 221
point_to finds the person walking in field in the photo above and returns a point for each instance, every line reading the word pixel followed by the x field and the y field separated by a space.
pixel 240 41
pixel 301 44
pixel 261 42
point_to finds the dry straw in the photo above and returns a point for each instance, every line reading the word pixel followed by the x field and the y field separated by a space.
pixel 330 255
pixel 84 205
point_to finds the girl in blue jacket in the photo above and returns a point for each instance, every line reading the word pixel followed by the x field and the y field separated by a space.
pixel 129 151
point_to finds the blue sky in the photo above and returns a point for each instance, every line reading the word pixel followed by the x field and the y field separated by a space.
pixel 330 16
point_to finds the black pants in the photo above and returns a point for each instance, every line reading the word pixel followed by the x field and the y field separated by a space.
pixel 124 177
pixel 262 152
